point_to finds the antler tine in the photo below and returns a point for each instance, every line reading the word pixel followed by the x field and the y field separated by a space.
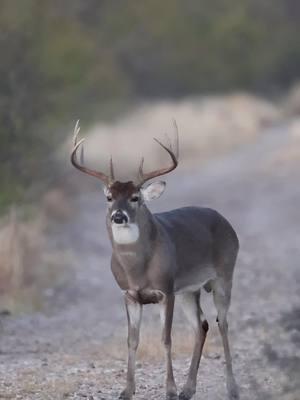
pixel 76 144
pixel 82 154
pixel 169 141
pixel 111 170
pixel 176 138
pixel 140 172
pixel 174 157
pixel 76 133
pixel 76 147
pixel 171 153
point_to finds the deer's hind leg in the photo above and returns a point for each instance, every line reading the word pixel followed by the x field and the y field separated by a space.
pixel 190 303
pixel 222 294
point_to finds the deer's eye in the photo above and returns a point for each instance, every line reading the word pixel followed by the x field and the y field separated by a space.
pixel 134 199
pixel 109 198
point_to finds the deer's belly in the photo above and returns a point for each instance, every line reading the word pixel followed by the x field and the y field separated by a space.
pixel 194 279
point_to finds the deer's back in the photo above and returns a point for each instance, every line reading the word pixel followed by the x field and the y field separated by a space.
pixel 206 245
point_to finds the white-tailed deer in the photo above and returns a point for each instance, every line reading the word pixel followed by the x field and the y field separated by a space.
pixel 157 257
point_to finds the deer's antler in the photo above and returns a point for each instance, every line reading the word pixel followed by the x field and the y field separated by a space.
pixel 174 154
pixel 106 179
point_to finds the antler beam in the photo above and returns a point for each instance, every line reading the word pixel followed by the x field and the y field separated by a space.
pixel 174 154
pixel 106 179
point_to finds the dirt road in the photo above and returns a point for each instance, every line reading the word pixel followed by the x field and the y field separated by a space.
pixel 77 349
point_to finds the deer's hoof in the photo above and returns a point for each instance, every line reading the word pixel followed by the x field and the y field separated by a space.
pixel 234 395
pixel 187 394
pixel 171 396
pixel 126 395
pixel 233 391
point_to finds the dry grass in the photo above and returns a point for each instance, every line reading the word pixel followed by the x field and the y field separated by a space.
pixel 61 377
pixel 291 396
pixel 52 388
pixel 27 268
pixel 291 102
pixel 57 206
pixel 289 154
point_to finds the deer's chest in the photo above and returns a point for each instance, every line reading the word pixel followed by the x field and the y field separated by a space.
pixel 129 271
pixel 134 273
pixel 146 296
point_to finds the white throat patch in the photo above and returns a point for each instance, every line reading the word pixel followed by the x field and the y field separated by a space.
pixel 125 233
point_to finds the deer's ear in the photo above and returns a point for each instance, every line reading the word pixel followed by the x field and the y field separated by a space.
pixel 154 190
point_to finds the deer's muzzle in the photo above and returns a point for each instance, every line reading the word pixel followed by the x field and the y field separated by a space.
pixel 119 217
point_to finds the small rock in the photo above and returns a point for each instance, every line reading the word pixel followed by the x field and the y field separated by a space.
pixel 5 313
pixel 212 356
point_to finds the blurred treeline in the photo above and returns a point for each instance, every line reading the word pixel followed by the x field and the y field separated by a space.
pixel 63 59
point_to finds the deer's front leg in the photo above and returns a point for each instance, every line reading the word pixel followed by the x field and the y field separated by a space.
pixel 134 315
pixel 167 308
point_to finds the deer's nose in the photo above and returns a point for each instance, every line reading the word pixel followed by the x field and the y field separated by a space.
pixel 119 217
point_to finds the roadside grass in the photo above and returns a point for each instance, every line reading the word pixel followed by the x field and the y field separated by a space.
pixel 29 270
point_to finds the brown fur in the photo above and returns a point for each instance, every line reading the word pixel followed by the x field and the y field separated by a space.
pixel 124 189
